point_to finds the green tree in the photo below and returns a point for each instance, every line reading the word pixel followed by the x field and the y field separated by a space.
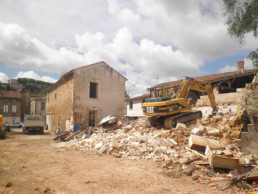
pixel 242 19
pixel 254 57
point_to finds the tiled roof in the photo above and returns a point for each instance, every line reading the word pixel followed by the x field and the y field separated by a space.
pixel 140 97
pixel 9 94
pixel 209 78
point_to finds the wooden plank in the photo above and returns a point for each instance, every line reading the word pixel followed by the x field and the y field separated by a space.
pixel 71 135
pixel 195 152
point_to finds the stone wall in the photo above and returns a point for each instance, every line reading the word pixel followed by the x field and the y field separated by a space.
pixel 59 106
pixel 222 99
pixel 36 107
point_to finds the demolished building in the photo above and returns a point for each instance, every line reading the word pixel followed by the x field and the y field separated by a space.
pixel 227 88
pixel 221 82
pixel 84 95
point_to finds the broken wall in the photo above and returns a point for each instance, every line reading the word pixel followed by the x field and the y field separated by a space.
pixel 222 99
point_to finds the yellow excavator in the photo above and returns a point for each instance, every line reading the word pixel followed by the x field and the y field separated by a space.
pixel 2 128
pixel 176 108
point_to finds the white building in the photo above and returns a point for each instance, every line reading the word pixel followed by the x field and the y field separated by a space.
pixel 134 106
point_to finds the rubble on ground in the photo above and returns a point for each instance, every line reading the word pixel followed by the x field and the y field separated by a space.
pixel 197 148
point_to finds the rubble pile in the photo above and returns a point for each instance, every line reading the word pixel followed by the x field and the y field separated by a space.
pixel 196 149
pixel 135 141
pixel 132 141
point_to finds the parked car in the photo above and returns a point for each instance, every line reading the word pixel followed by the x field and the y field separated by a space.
pixel 14 125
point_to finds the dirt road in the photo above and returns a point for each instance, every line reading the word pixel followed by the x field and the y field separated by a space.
pixel 35 164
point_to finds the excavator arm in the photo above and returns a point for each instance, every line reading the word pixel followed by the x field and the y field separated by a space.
pixel 200 86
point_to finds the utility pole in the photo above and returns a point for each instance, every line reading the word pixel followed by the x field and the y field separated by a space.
pixel 157 78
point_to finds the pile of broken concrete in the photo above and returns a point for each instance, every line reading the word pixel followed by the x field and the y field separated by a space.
pixel 205 144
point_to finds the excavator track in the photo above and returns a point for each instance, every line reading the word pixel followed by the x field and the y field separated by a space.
pixel 182 117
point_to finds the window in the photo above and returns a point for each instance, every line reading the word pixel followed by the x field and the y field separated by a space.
pixel 93 89
pixel 92 118
pixel 14 108
pixel 42 107
pixel 131 104
pixel 5 108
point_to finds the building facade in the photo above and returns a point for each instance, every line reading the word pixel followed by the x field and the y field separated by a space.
pixel 84 96
pixel 134 106
pixel 37 104
pixel 10 106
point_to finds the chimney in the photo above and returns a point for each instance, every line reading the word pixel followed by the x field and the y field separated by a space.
pixel 240 66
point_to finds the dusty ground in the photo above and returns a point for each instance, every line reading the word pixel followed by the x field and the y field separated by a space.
pixel 33 164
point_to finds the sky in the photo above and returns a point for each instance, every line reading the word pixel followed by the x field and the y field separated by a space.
pixel 148 41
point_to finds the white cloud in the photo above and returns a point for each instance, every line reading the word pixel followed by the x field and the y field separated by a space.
pixel 56 22
pixel 3 78
pixel 195 27
pixel 144 39
pixel 248 64
pixel 125 16
pixel 19 49
pixel 144 58
pixel 228 68
pixel 33 75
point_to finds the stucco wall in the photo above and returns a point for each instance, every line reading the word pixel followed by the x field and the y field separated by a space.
pixel 136 111
pixel 60 109
pixel 110 93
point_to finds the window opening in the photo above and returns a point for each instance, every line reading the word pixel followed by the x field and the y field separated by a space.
pixel 42 106
pixel 131 104
pixel 93 89
pixel 92 118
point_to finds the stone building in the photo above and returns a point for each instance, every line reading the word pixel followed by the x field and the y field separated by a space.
pixel 37 104
pixel 84 96
pixel 10 106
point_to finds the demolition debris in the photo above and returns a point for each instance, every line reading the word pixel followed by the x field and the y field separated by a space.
pixel 191 154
